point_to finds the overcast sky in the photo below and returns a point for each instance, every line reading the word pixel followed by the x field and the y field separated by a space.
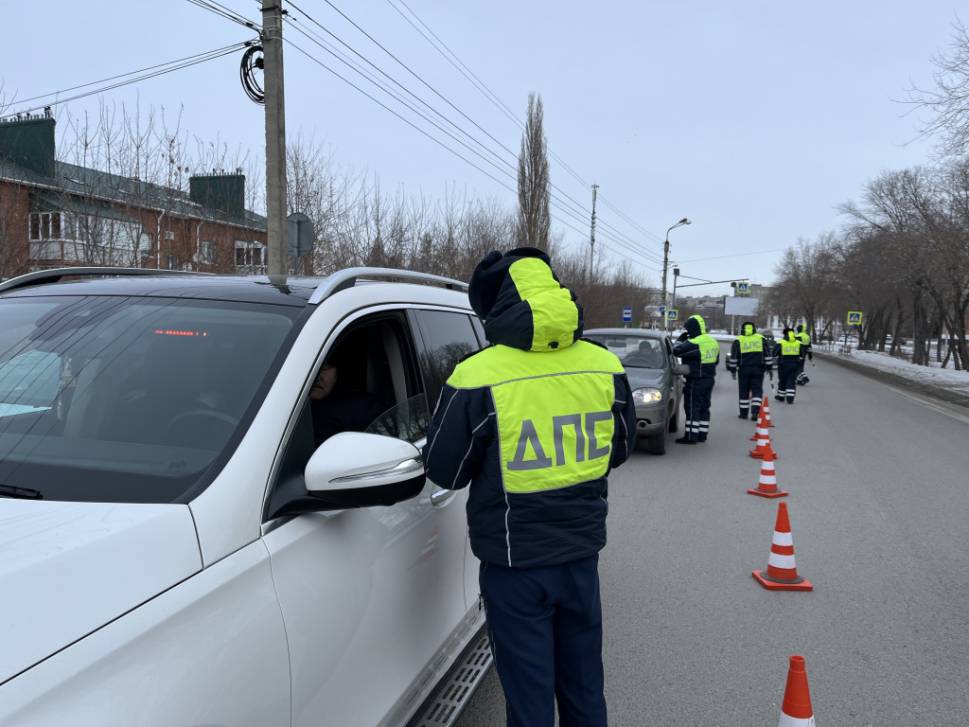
pixel 755 120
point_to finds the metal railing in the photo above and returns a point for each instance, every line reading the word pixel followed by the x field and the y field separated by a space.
pixel 54 275
pixel 343 279
pixel 334 283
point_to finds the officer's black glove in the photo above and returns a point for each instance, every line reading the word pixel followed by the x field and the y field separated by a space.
pixel 683 337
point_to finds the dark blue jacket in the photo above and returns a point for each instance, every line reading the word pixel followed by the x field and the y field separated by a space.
pixel 534 422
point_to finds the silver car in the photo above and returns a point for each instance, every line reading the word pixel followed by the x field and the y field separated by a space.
pixel 653 373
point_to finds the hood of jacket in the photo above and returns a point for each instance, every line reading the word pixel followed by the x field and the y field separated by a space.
pixel 521 302
pixel 800 328
pixel 788 334
pixel 748 329
pixel 695 326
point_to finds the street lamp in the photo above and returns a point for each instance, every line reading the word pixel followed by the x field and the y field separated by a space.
pixel 666 264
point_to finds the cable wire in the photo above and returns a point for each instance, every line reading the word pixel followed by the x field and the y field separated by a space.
pixel 221 10
pixel 483 88
pixel 572 204
pixel 156 70
pixel 511 172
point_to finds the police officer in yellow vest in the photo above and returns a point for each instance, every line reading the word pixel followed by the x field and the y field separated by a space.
pixel 788 362
pixel 701 352
pixel 747 363
pixel 804 337
pixel 534 423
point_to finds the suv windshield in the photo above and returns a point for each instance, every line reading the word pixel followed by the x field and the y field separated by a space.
pixel 129 399
pixel 638 352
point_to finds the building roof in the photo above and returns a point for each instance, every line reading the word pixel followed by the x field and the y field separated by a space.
pixel 92 184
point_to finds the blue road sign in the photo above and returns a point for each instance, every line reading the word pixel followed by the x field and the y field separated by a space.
pixel 627 315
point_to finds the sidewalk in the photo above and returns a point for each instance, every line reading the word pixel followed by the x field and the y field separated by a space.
pixel 944 384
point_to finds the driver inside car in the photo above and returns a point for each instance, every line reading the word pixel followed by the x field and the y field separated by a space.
pixel 339 408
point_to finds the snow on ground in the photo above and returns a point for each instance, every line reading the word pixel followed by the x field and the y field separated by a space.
pixel 946 378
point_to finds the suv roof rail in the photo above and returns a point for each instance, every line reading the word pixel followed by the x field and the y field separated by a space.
pixel 347 278
pixel 54 275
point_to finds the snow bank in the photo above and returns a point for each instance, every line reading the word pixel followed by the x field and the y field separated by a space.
pixel 945 378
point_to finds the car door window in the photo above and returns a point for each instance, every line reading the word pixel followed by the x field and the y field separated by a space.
pixel 448 337
pixel 479 329
pixel 368 382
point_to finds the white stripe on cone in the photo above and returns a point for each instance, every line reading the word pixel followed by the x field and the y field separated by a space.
pixel 787 721
pixel 768 480
pixel 780 538
pixel 781 561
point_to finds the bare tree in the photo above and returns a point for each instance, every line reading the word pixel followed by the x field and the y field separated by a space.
pixel 534 220
pixel 947 102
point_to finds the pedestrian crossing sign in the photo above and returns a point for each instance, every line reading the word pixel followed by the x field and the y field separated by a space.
pixel 854 317
pixel 673 314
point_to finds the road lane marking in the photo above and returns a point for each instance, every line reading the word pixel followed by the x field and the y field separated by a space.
pixel 952 413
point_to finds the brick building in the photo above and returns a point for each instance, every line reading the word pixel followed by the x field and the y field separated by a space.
pixel 54 214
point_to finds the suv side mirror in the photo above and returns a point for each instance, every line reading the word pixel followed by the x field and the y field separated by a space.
pixel 681 369
pixel 353 469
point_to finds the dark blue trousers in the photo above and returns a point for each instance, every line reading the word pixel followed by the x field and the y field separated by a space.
pixel 545 626
pixel 697 395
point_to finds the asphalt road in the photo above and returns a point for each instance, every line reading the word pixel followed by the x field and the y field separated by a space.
pixel 879 501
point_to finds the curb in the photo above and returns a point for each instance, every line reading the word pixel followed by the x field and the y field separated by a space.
pixel 930 390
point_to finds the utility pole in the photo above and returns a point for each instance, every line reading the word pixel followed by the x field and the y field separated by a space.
pixel 272 43
pixel 666 264
pixel 592 232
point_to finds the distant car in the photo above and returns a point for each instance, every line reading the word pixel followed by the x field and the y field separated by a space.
pixel 653 372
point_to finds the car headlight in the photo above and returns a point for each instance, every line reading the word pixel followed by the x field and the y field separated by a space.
pixel 647 396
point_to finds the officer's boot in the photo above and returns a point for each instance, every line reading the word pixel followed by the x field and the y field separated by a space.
pixel 754 412
pixel 742 414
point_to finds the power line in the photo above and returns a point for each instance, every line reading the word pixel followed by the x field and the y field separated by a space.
pixel 414 74
pixel 724 257
pixel 157 70
pixel 564 207
pixel 221 10
pixel 482 87
pixel 452 58
pixel 320 42
pixel 575 206
pixel 424 132
pixel 402 101
pixel 402 118
pixel 114 78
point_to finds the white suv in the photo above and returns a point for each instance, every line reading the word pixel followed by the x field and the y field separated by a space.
pixel 179 545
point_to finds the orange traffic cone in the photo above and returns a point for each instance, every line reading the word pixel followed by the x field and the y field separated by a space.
pixel 767 483
pixel 765 409
pixel 781 573
pixel 763 447
pixel 796 710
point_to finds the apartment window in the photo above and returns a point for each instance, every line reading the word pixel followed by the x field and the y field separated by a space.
pixel 206 252
pixel 250 254
pixel 45 226
pixel 169 235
